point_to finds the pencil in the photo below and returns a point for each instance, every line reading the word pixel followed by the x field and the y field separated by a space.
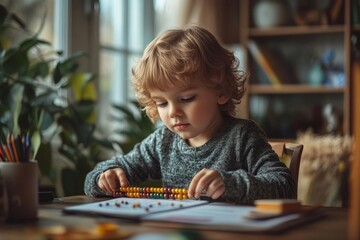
pixel 27 146
pixel 8 153
pixel 19 148
pixel 2 155
pixel 3 152
pixel 15 151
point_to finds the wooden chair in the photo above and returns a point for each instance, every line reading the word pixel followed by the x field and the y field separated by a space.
pixel 290 154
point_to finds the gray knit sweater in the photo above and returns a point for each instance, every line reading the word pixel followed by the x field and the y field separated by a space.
pixel 239 151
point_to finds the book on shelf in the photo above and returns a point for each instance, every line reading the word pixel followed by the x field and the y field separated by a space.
pixel 336 7
pixel 193 214
pixel 267 63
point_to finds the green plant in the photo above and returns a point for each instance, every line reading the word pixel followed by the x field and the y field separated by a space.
pixel 135 125
pixel 48 97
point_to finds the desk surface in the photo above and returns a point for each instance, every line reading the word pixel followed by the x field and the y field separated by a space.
pixel 333 226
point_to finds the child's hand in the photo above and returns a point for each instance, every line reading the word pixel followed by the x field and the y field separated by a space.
pixel 206 181
pixel 112 179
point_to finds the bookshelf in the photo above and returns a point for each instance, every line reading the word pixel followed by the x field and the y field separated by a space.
pixel 314 68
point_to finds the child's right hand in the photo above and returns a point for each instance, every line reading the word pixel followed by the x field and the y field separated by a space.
pixel 112 179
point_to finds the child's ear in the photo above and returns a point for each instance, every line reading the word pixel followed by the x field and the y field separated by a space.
pixel 223 99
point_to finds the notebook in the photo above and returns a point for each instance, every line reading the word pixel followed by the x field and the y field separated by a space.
pixel 192 214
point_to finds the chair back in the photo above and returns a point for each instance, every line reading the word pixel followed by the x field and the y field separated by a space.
pixel 293 152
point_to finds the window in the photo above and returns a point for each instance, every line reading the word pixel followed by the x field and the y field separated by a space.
pixel 47 17
pixel 125 29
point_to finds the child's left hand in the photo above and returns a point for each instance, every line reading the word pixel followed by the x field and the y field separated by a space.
pixel 206 181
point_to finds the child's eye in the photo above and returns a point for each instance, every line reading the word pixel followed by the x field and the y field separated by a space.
pixel 188 99
pixel 161 104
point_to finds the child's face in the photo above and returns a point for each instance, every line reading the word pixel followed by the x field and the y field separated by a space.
pixel 193 113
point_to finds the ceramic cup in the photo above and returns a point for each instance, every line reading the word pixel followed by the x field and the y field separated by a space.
pixel 21 182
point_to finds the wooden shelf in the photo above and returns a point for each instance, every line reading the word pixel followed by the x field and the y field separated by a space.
pixel 355 28
pixel 296 30
pixel 293 48
pixel 293 89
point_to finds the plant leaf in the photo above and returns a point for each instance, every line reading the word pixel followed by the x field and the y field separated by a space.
pixel 27 44
pixel 44 99
pixel 3 14
pixel 17 94
pixel 64 68
pixel 83 86
pixel 40 69
pixel 15 62
pixel 35 142
pixel 85 110
pixel 44 158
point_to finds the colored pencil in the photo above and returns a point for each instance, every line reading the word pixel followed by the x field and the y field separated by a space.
pixel 3 152
pixel 19 148
pixel 8 153
pixel 15 151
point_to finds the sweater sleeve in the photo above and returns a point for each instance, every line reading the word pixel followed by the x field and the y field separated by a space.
pixel 262 175
pixel 139 164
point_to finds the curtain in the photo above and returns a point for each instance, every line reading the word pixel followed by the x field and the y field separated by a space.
pixel 219 17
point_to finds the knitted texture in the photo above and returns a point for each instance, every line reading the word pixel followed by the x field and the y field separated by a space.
pixel 239 151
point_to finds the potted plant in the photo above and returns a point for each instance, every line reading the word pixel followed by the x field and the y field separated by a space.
pixel 134 125
pixel 46 96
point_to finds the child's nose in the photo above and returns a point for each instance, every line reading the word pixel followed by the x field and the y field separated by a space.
pixel 174 111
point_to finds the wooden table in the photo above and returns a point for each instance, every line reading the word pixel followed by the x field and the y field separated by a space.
pixel 333 226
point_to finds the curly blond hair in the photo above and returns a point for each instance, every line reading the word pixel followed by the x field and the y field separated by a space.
pixel 187 57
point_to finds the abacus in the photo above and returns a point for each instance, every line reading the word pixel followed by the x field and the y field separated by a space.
pixel 152 192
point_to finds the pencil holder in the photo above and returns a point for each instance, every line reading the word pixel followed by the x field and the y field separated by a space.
pixel 21 182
